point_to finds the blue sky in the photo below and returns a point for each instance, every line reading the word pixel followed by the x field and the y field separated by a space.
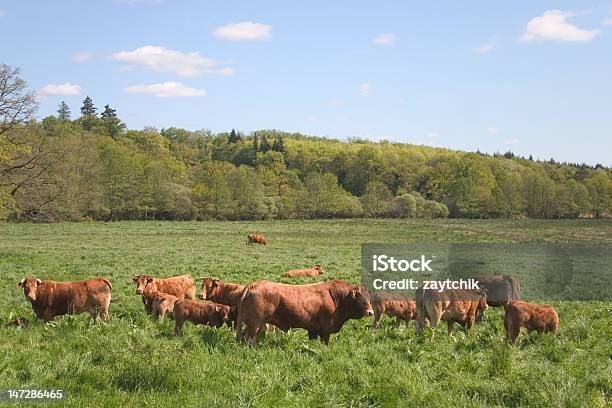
pixel 532 77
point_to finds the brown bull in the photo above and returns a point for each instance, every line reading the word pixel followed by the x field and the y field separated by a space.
pixel 501 289
pixel 225 293
pixel 450 305
pixel 53 298
pixel 183 287
pixel 319 308
pixel 256 239
pixel 393 305
pixel 542 318
pixel 304 273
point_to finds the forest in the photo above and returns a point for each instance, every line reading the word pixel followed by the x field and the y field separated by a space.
pixel 92 167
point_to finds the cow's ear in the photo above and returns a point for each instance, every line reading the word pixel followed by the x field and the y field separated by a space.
pixel 353 293
pixel 217 308
pixel 20 283
pixel 149 279
pixel 135 278
pixel 215 282
pixel 39 282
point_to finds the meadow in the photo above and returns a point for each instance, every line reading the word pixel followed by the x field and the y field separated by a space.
pixel 130 360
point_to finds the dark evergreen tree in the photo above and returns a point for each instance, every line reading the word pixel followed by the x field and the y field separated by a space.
pixel 264 146
pixel 109 112
pixel 88 108
pixel 64 111
pixel 234 136
pixel 279 145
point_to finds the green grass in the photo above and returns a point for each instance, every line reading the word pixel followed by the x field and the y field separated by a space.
pixel 132 361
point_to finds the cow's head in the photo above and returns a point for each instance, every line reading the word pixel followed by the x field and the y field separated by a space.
pixel 141 282
pixel 210 288
pixel 222 314
pixel 482 299
pixel 319 269
pixel 362 306
pixel 30 287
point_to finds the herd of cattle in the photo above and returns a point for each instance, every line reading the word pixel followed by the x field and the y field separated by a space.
pixel 319 308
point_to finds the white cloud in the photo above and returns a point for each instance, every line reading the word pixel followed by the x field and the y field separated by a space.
pixel 484 48
pixel 166 90
pixel 246 30
pixel 2 13
pixel 365 89
pixel 161 59
pixel 493 130
pixel 336 103
pixel 512 141
pixel 83 56
pixel 65 89
pixel 385 39
pixel 607 21
pixel 433 135
pixel 553 25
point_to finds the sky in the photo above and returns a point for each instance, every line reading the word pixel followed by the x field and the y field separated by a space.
pixel 530 77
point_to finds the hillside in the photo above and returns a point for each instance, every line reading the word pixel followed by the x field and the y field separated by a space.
pixel 93 168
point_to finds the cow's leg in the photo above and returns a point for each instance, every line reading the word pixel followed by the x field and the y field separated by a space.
pixel 161 314
pixel 377 316
pixel 312 335
pixel 251 332
pixel 512 332
pixel 398 321
pixel 178 326
pixel 449 328
pixel 104 308
pixel 325 337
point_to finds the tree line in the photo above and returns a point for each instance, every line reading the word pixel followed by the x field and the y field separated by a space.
pixel 93 167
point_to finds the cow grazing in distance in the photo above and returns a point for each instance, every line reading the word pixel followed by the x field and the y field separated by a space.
pixel 393 305
pixel 225 293
pixel 52 298
pixel 542 318
pixel 162 303
pixel 256 239
pixel 212 314
pixel 450 305
pixel 320 308
pixel 183 287
pixel 304 273
pixel 501 289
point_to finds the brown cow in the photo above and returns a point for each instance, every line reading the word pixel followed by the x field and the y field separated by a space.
pixel 393 305
pixel 542 318
pixel 501 289
pixel 161 304
pixel 304 273
pixel 320 308
pixel 212 314
pixel 450 305
pixel 52 298
pixel 256 239
pixel 183 287
pixel 225 293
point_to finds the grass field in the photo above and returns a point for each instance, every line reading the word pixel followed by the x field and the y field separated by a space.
pixel 132 361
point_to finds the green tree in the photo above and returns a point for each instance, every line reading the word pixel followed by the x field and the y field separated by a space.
pixel 63 112
pixel 88 108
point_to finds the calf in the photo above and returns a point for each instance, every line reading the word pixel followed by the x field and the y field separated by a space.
pixel 450 305
pixel 212 314
pixel 225 293
pixel 183 287
pixel 320 308
pixel 304 273
pixel 542 318
pixel 501 289
pixel 53 298
pixel 393 305
pixel 161 304
pixel 256 239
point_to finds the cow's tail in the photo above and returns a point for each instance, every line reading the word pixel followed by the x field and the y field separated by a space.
pixel 239 312
pixel 420 310
pixel 515 291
